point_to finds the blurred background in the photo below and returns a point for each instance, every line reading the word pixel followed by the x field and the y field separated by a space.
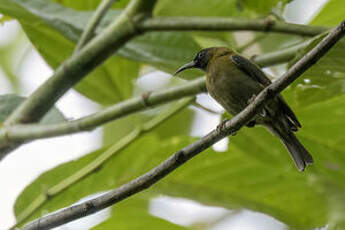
pixel 22 70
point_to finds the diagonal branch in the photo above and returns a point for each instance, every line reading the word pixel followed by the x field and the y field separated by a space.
pixel 177 159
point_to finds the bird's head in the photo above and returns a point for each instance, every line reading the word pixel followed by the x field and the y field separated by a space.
pixel 202 58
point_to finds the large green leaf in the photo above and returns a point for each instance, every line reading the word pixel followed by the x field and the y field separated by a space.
pixel 205 8
pixel 9 102
pixel 112 174
pixel 325 79
pixel 89 4
pixel 261 7
pixel 258 176
pixel 331 14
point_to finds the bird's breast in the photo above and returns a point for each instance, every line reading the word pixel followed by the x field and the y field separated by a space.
pixel 232 89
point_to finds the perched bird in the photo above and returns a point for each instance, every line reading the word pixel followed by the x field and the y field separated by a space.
pixel 234 81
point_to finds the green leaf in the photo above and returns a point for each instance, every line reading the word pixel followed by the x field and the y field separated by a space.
pixel 331 14
pixel 89 4
pixel 204 8
pixel 262 6
pixel 112 82
pixel 9 102
pixel 259 176
pixel 325 79
pixel 226 179
pixel 5 18
pixel 165 51
pixel 11 58
pixel 181 123
pixel 110 175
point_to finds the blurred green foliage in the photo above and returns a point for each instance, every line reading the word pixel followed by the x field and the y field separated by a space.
pixel 257 176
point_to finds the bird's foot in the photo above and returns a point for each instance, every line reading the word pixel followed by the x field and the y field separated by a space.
pixel 145 98
pixel 221 127
pixel 252 99
pixel 251 124
pixel 262 113
pixel 269 22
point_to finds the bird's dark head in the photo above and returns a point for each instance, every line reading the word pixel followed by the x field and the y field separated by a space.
pixel 200 61
pixel 203 58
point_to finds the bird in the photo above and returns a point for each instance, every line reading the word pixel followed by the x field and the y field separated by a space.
pixel 234 81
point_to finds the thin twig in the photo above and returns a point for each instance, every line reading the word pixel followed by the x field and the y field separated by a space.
pixel 226 24
pixel 130 106
pixel 92 24
pixel 174 161
pixel 276 57
pixel 252 42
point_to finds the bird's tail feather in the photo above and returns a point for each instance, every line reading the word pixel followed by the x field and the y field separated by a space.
pixel 299 154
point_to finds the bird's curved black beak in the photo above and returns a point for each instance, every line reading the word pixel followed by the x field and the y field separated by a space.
pixel 189 65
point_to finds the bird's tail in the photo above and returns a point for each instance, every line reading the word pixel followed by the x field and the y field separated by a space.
pixel 299 154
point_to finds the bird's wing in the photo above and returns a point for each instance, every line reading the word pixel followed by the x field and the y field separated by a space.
pixel 251 69
pixel 256 73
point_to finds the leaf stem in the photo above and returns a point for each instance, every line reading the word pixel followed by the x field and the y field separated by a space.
pixel 91 26
pixel 227 24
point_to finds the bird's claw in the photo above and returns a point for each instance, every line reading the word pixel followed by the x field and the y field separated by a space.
pixel 269 22
pixel 221 127
pixel 252 99
pixel 263 112
pixel 145 98
pixel 251 124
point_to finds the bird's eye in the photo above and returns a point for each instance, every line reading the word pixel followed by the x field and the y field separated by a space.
pixel 201 55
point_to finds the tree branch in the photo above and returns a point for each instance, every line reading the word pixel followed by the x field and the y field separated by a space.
pixel 26 132
pixel 91 26
pixel 35 131
pixel 226 24
pixel 280 56
pixel 148 179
